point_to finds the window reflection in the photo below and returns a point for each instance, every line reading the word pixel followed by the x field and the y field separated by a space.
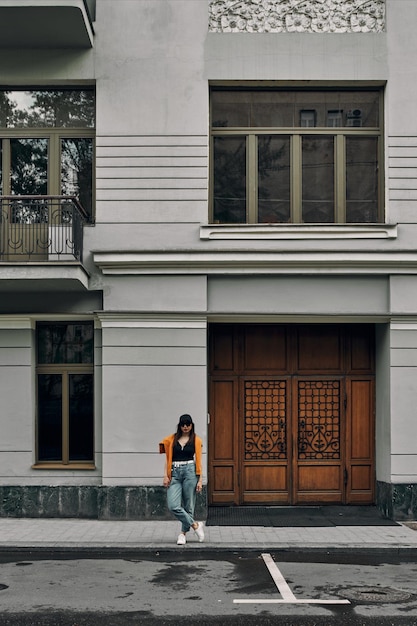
pixel 274 179
pixel 50 417
pixel 65 108
pixel 29 166
pixel 65 343
pixel 54 155
pixel 81 417
pixel 318 179
pixel 230 179
pixel 280 108
pixel 361 179
pixel 77 170
pixel 65 411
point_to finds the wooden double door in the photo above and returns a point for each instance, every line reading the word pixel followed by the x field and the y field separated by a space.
pixel 291 414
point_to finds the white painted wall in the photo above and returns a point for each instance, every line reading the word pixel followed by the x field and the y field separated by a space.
pixel 154 370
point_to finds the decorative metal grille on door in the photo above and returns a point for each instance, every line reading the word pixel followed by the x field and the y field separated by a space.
pixel 265 419
pixel 319 419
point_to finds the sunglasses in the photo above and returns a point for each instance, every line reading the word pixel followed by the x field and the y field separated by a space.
pixel 188 423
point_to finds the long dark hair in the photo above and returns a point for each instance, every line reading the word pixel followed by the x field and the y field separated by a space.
pixel 178 434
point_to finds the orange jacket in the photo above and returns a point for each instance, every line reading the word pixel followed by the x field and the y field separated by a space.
pixel 166 446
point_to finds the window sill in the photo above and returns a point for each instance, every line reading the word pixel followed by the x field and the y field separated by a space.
pixel 298 231
pixel 62 466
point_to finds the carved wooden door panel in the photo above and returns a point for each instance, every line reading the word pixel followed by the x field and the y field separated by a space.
pixel 265 452
pixel 291 414
pixel 318 436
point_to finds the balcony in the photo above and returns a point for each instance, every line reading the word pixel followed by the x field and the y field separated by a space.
pixel 41 228
pixel 47 24
pixel 41 243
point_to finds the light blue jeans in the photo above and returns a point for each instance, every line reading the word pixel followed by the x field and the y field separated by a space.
pixel 181 494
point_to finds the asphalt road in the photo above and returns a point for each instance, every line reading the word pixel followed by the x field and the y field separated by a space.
pixel 188 587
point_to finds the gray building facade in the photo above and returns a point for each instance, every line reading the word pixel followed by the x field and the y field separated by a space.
pixel 208 207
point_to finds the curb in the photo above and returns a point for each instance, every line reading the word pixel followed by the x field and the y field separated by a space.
pixel 113 551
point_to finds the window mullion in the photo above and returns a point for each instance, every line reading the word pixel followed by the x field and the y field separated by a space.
pixel 296 179
pixel 6 164
pixel 54 164
pixel 252 179
pixel 340 179
pixel 65 417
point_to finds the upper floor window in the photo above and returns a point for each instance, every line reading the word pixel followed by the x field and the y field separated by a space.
pixel 47 143
pixel 296 156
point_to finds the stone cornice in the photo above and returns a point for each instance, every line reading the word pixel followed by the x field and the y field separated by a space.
pixel 246 263
pixel 314 16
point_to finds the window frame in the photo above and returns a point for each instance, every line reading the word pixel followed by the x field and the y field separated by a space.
pixel 65 370
pixel 53 137
pixel 295 135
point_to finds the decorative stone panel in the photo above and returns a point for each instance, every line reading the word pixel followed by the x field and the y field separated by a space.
pixel 302 16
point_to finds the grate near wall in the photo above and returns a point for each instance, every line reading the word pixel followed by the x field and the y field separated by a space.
pixel 282 516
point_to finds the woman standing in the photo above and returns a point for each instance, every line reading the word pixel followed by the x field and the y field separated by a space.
pixel 183 475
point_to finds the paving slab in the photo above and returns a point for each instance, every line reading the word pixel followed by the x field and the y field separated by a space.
pixel 64 534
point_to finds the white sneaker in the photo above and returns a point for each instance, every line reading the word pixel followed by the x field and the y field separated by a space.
pixel 181 541
pixel 199 531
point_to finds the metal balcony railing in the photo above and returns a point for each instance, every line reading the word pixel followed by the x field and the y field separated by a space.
pixel 41 228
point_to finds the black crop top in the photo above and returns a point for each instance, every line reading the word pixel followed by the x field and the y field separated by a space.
pixel 183 454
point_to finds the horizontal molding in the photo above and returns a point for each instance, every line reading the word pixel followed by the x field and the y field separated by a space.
pixel 151 151
pixel 151 183
pixel 151 140
pixel 160 161
pixel 149 173
pixel 408 322
pixel 254 263
pixel 18 322
pixel 298 231
pixel 140 320
pixel 157 194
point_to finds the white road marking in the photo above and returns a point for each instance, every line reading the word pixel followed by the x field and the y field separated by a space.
pixel 287 595
pixel 278 578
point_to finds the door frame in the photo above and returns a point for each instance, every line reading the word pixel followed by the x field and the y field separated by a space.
pixel 352 478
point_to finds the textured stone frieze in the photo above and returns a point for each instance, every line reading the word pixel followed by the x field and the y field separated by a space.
pixel 312 16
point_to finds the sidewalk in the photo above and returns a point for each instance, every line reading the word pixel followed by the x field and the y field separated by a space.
pixel 80 534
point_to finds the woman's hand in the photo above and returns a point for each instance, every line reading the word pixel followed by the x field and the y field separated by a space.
pixel 199 486
pixel 166 481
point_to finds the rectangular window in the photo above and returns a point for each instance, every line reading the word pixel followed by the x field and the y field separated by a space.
pixel 65 394
pixel 296 156
pixel 47 139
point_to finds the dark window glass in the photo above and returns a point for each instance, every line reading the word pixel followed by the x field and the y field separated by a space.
pixel 81 417
pixel 273 179
pixel 65 419
pixel 361 179
pixel 282 109
pixel 65 343
pixel 49 417
pixel 77 170
pixel 54 108
pixel 229 179
pixel 29 166
pixel 318 179
pixel 299 147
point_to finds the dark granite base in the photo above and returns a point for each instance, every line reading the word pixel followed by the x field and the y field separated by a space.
pixel 106 503
pixel 398 502
pixel 395 502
